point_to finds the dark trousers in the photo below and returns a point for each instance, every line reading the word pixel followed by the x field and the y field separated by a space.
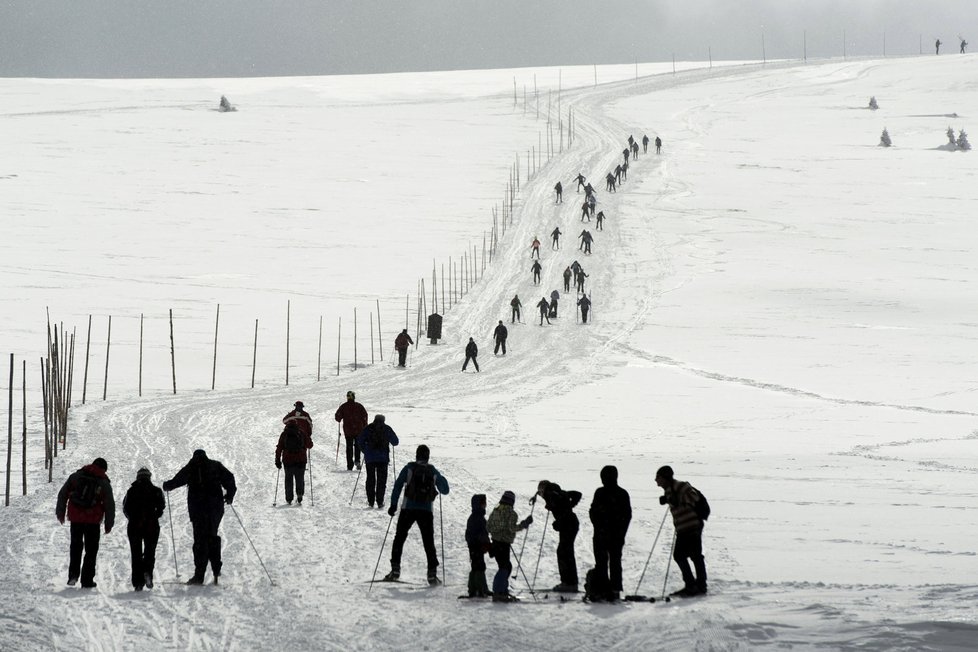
pixel 477 574
pixel 689 546
pixel 543 315
pixel 566 284
pixel 516 315
pixel 142 545
pixel 500 344
pixel 376 482
pixel 566 562
pixel 401 357
pixel 584 315
pixel 556 243
pixel 536 277
pixel 425 521
pixel 207 544
pixel 607 557
pixel 474 361
pixel 295 474
pixel 500 581
pixel 352 452
pixel 84 536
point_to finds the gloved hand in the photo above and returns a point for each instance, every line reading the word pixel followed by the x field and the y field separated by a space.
pixel 533 499
pixel 107 529
pixel 278 464
pixel 61 519
pixel 228 498
pixel 392 510
pixel 526 522
pixel 663 500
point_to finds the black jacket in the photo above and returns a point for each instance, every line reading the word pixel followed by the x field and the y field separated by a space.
pixel 471 349
pixel 209 485
pixel 611 511
pixel 144 504
pixel 501 333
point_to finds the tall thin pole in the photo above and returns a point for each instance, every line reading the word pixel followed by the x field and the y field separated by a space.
pixel 48 462
pixel 288 335
pixel 371 338
pixel 763 49
pixel 354 339
pixel 108 344
pixel 254 356
pixel 339 331
pixel 140 354
pixel 173 354
pixel 88 344
pixel 407 307
pixel 217 323
pixel 319 357
pixel 380 338
pixel 23 447
pixel 805 41
pixel 10 428
pixel 843 45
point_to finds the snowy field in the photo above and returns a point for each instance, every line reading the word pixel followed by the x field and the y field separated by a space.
pixel 783 312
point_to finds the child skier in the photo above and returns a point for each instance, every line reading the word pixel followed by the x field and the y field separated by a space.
pixel 477 539
pixel 502 527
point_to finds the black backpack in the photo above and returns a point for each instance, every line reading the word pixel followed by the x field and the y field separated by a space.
pixel 293 440
pixel 702 507
pixel 421 485
pixel 376 439
pixel 86 490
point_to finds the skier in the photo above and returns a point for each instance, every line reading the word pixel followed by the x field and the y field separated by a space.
pixel 586 211
pixel 561 505
pixel 937 46
pixel 610 181
pixel 478 542
pixel 291 452
pixel 375 442
pixel 544 310
pixel 86 498
pixel 631 141
pixel 535 248
pixel 658 145
pixel 421 482
pixel 559 191
pixel 611 512
pixel 626 152
pixel 209 487
pixel 471 352
pixel 635 151
pixel 500 334
pixel 401 343
pixel 600 218
pixel 554 296
pixel 624 172
pixel 592 201
pixel 585 305
pixel 503 526
pixel 645 144
pixel 567 279
pixel 618 169
pixel 354 418
pixel 964 44
pixel 143 506
pixel 682 498
pixel 515 305
pixel 536 269
pixel 555 237
pixel 579 280
pixel 580 181
pixel 300 417
pixel 586 239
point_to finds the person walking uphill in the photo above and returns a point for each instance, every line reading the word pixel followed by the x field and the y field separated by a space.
pixel 375 442
pixel 516 306
pixel 291 453
pixel 503 526
pixel 561 506
pixel 682 499
pixel 86 499
pixel 354 418
pixel 143 506
pixel 401 344
pixel 555 238
pixel 536 269
pixel 471 352
pixel 478 542
pixel 559 191
pixel 300 417
pixel 610 513
pixel 421 482
pixel 500 334
pixel 209 487
pixel 544 310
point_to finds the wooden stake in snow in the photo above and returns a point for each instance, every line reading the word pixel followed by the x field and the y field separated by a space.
pixel 10 428
pixel 380 338
pixel 140 354
pixel 319 355
pixel 173 354
pixel 288 335
pixel 88 344
pixel 354 339
pixel 339 331
pixel 217 323
pixel 23 457
pixel 254 356
pixel 371 338
pixel 108 344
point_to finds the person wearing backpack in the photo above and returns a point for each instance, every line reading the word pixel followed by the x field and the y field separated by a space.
pixel 300 417
pixel 143 506
pixel 354 418
pixel 401 344
pixel 684 502
pixel 291 453
pixel 561 506
pixel 421 482
pixel 86 498
pixel 209 487
pixel 610 513
pixel 375 441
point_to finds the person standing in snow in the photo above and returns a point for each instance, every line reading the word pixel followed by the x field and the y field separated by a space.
pixel 478 542
pixel 535 248
pixel 610 513
pixel 375 442
pixel 544 310
pixel 635 151
pixel 586 211
pixel 516 306
pixel 626 152
pixel 143 506
pixel 567 279
pixel 580 181
pixel 658 145
pixel 300 417
pixel 586 239
pixel 354 418
pixel 86 498
pixel 555 238
pixel 536 269
pixel 291 453
pixel 624 173
pixel 209 487
pixel 561 506
pixel 585 305
pixel 421 483
pixel 964 44
pixel 554 297
pixel 500 334
pixel 401 343
pixel 682 498
pixel 471 352
pixel 503 526
pixel 610 181
pixel 600 225
pixel 559 191
pixel 645 144
pixel 937 46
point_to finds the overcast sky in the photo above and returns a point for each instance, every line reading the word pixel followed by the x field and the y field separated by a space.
pixel 198 38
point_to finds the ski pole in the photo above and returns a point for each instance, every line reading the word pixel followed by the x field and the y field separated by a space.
pixel 543 536
pixel 173 542
pixel 355 483
pixel 441 519
pixel 278 474
pixel 654 542
pixel 519 567
pixel 312 500
pixel 526 533
pixel 668 564
pixel 338 435
pixel 252 543
pixel 379 554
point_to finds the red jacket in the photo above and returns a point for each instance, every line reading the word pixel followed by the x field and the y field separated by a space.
pixel 402 341
pixel 104 503
pixel 290 458
pixel 302 419
pixel 354 418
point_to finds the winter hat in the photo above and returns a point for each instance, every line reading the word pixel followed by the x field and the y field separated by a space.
pixel 422 454
pixel 609 476
pixel 379 418
pixel 664 472
pixel 299 405
pixel 101 463
pixel 509 498
pixel 351 395
pixel 143 473
pixel 199 454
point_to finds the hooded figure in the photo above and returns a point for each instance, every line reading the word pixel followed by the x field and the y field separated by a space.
pixel 561 505
pixel 477 540
pixel 143 506
pixel 611 512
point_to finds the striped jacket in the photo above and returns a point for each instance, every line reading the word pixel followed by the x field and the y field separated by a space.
pixel 682 497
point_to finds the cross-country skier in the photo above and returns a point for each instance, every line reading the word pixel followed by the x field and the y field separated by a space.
pixel 645 144
pixel 291 453
pixel 580 181
pixel 682 498
pixel 586 240
pixel 535 248
pixel 610 180
pixel 554 298
pixel 143 506
pixel 559 192
pixel 586 210
pixel 375 441
pixel 536 269
pixel 658 145
pixel 544 310
pixel 555 237
pixel 600 225
pixel 500 334
pixel 401 344
pixel 471 352
pixel 300 417
pixel 561 505
pixel 567 279
pixel 503 526
pixel 516 307
pixel 354 418
pixel 585 304
pixel 478 542
pixel 86 498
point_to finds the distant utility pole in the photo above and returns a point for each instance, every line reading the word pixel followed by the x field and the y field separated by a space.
pixel 884 44
pixel 763 50
pixel 805 46
pixel 843 45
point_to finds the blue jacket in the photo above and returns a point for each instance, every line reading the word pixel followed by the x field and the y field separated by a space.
pixel 441 486
pixel 373 455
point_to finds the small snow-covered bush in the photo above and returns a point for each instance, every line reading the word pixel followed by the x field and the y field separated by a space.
pixel 950 136
pixel 872 103
pixel 885 138
pixel 963 143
